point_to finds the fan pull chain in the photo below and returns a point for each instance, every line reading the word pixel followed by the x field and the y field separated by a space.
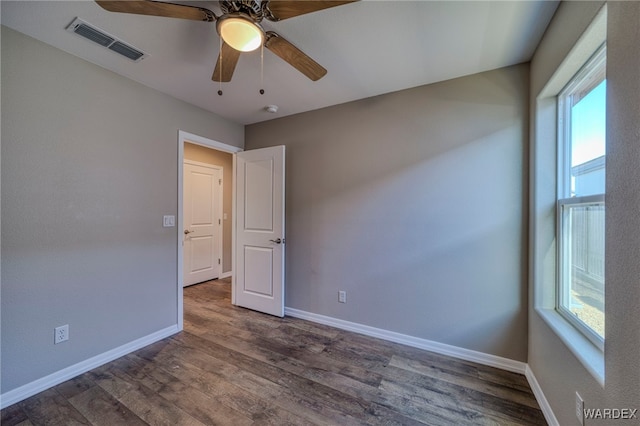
pixel 220 71
pixel 262 68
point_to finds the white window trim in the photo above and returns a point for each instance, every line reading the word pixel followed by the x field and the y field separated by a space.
pixel 543 203
pixel 590 356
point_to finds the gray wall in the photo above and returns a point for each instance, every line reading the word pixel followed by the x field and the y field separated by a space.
pixel 558 371
pixel 225 160
pixel 622 361
pixel 89 166
pixel 415 204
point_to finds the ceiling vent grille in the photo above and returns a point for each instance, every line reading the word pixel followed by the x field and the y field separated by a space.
pixel 96 35
pixel 126 50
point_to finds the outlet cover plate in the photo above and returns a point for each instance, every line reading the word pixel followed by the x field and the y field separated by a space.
pixel 580 409
pixel 61 334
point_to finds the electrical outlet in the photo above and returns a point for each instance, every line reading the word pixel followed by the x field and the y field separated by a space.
pixel 580 409
pixel 61 334
pixel 168 221
pixel 342 296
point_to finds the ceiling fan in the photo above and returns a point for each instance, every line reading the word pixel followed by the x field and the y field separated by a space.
pixel 239 28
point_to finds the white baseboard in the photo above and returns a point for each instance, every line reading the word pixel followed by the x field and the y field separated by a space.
pixel 542 400
pixel 416 342
pixel 226 274
pixel 30 389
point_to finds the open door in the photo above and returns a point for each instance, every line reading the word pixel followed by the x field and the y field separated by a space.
pixel 259 267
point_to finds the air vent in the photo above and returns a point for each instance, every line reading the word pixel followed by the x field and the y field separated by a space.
pixel 100 37
pixel 93 35
pixel 125 50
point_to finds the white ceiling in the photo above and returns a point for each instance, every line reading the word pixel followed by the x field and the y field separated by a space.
pixel 369 48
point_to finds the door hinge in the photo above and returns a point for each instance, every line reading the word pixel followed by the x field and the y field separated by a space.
pixel 218 261
pixel 219 222
pixel 219 181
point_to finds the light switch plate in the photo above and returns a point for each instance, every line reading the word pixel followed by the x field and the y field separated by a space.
pixel 169 221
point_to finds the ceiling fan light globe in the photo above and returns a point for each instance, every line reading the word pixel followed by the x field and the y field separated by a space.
pixel 240 33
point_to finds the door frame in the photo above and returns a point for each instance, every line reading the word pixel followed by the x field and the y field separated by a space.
pixel 219 211
pixel 207 143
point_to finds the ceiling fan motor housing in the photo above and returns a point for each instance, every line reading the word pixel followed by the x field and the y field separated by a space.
pixel 251 8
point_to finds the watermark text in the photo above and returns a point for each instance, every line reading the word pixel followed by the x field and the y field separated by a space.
pixel 611 413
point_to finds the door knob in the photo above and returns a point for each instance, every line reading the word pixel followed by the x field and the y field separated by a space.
pixel 277 241
pixel 186 231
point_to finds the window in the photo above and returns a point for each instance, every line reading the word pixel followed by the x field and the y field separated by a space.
pixel 581 199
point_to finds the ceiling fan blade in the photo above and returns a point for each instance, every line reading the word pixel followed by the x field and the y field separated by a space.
pixel 294 56
pixel 158 8
pixel 283 9
pixel 227 60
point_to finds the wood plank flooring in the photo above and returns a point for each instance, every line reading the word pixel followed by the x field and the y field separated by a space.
pixel 232 366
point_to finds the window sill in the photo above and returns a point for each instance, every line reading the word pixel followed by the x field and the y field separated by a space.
pixel 591 357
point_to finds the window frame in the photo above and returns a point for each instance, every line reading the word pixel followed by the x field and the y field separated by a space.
pixel 589 76
pixel 562 291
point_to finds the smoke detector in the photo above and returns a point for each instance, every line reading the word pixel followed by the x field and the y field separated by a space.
pixel 271 108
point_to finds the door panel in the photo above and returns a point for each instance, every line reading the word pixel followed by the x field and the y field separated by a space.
pixel 259 270
pixel 259 276
pixel 202 227
pixel 202 254
pixel 258 213
pixel 202 201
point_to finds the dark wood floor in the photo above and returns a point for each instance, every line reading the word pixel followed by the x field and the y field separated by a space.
pixel 232 366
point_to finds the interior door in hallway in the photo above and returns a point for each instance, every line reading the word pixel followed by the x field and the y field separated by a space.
pixel 202 232
pixel 259 268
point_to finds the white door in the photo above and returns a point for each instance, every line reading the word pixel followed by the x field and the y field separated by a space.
pixel 259 267
pixel 202 225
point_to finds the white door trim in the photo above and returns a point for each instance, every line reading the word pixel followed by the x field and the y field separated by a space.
pixel 218 213
pixel 201 164
pixel 208 143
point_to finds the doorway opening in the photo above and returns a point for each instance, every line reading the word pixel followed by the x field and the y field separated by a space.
pixel 194 148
